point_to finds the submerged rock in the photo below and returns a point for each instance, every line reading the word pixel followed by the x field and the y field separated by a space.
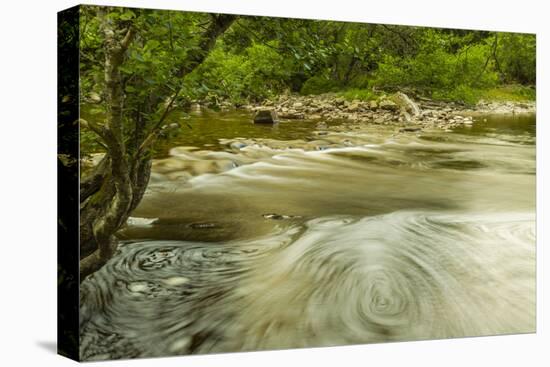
pixel 410 129
pixel 321 125
pixel 237 145
pixel 275 216
pixel 206 225
pixel 175 281
pixel 138 287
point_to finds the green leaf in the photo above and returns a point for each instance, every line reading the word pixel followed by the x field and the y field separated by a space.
pixel 125 69
pixel 127 15
pixel 152 44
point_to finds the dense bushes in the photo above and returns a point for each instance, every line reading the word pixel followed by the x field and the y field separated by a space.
pixel 512 92
pixel 261 58
pixel 358 94
pixel 517 55
pixel 440 73
pixel 319 84
pixel 257 73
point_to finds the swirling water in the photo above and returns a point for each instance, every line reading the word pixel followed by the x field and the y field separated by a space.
pixel 354 234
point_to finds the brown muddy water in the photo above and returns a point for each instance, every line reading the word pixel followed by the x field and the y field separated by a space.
pixel 258 237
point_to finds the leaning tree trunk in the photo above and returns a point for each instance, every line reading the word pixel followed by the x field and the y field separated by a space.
pixel 117 184
pixel 106 210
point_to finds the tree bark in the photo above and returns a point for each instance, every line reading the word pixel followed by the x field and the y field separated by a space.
pixel 110 209
pixel 117 185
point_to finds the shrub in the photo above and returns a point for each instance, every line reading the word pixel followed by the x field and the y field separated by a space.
pixel 517 55
pixel 256 74
pixel 319 84
pixel 514 92
pixel 360 94
pixel 461 93
pixel 441 73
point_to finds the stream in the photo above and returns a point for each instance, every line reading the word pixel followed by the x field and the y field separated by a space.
pixel 302 235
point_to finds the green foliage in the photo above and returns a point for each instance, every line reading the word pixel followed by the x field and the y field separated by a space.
pixel 319 84
pixel 517 55
pixel 258 73
pixel 460 93
pixel 152 66
pixel 361 81
pixel 514 92
pixel 359 94
pixel 260 57
pixel 456 65
pixel 435 69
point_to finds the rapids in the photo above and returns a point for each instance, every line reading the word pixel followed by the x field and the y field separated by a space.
pixel 351 234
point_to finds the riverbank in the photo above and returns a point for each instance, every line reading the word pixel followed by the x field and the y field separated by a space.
pixel 398 111
pixel 395 109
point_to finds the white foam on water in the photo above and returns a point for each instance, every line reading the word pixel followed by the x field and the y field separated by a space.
pixel 336 280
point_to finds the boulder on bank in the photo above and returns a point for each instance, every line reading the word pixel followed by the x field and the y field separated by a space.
pixel 395 109
pixel 388 105
pixel 266 117
pixel 292 115
pixel 406 104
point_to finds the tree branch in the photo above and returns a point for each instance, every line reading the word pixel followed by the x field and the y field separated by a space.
pixel 128 38
pixel 99 129
pixel 218 26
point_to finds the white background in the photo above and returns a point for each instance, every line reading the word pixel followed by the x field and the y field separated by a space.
pixel 28 181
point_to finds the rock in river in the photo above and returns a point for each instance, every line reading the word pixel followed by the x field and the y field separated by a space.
pixel 275 216
pixel 140 222
pixel 266 117
pixel 409 129
pixel 203 225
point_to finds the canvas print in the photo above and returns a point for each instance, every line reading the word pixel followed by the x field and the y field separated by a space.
pixel 234 183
